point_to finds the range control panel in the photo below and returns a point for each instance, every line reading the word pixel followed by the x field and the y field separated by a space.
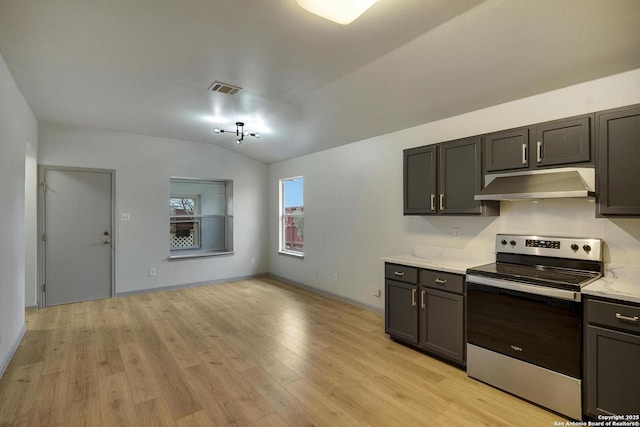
pixel 549 244
pixel 561 247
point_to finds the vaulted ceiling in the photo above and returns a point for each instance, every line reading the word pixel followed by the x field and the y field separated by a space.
pixel 144 66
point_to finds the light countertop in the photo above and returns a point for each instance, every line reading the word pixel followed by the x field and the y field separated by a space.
pixel 619 282
pixel 442 259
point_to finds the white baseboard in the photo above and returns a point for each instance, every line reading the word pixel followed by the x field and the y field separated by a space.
pixel 12 350
pixel 189 285
pixel 330 294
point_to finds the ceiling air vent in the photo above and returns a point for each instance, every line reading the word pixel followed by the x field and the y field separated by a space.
pixel 224 88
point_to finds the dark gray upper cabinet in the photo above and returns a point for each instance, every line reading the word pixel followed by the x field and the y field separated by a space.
pixel 444 178
pixel 618 165
pixel 507 150
pixel 420 180
pixel 562 142
pixel 558 143
pixel 460 176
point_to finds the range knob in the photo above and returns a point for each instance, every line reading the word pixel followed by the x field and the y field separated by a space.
pixel 504 242
pixel 512 243
pixel 586 248
pixel 575 247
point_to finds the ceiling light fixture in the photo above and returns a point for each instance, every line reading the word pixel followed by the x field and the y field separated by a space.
pixel 341 11
pixel 240 132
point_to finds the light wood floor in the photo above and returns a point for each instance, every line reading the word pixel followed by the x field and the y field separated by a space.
pixel 256 353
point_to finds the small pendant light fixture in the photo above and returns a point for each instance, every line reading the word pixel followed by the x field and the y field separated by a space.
pixel 339 11
pixel 240 132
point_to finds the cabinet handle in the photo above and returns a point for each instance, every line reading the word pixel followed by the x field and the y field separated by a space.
pixel 539 151
pixel 398 273
pixel 442 201
pixel 422 299
pixel 524 154
pixel 441 281
pixel 624 318
pixel 433 202
pixel 413 297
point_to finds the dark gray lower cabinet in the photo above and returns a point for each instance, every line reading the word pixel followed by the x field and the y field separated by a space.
pixel 401 313
pixel 400 302
pixel 425 308
pixel 612 348
pixel 442 323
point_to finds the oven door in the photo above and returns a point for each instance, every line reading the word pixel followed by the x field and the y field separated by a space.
pixel 535 324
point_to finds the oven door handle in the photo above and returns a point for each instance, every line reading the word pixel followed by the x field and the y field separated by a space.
pixel 523 287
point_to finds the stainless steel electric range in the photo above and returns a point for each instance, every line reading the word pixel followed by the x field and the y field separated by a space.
pixel 524 318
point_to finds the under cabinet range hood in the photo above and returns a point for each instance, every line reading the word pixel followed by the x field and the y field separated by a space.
pixel 542 184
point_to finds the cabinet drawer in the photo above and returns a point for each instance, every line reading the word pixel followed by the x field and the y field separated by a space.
pixel 444 281
pixel 401 273
pixel 619 316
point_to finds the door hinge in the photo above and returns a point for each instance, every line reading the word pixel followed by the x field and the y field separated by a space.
pixel 44 186
pixel 44 237
pixel 44 288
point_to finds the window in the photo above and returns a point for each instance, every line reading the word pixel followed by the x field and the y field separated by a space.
pixel 185 228
pixel 292 215
pixel 200 220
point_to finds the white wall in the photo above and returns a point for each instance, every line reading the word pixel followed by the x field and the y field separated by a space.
pixel 18 127
pixel 353 197
pixel 143 166
pixel 31 224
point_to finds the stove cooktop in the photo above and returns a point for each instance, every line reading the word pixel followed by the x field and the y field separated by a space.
pixel 555 277
pixel 559 262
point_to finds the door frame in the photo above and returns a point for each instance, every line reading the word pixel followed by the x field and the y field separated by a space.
pixel 42 264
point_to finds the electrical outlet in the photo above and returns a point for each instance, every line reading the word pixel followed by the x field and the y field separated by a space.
pixel 335 277
pixel 152 272
pixel 457 232
pixel 253 261
pixel 377 293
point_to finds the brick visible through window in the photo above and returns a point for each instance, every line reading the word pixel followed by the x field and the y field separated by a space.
pixel 292 215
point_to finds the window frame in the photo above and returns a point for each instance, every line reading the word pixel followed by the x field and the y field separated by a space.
pixel 199 217
pixel 284 218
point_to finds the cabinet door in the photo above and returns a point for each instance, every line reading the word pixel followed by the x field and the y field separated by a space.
pixel 618 166
pixel 613 372
pixel 460 177
pixel 401 311
pixel 561 142
pixel 442 323
pixel 420 181
pixel 507 150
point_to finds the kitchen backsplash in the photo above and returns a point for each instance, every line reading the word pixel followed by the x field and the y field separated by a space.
pixel 556 217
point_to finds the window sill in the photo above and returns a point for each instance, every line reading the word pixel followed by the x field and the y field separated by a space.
pixel 291 254
pixel 198 254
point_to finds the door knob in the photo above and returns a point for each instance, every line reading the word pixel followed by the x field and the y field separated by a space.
pixel 106 242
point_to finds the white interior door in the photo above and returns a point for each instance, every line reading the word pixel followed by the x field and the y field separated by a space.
pixel 77 228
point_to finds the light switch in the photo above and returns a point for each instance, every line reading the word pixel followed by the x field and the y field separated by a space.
pixel 457 231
